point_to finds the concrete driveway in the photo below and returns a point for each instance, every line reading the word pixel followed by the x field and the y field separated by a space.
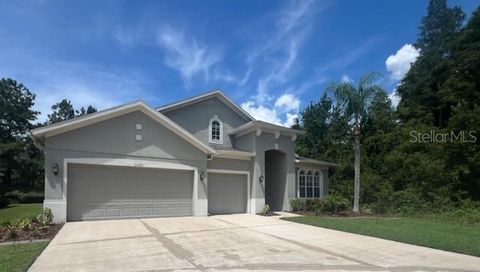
pixel 234 243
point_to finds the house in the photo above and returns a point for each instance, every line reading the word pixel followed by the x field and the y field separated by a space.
pixel 199 156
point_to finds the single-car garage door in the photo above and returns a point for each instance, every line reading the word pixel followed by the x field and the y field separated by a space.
pixel 108 192
pixel 227 193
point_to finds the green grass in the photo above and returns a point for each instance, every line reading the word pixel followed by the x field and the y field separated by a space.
pixel 19 257
pixel 16 211
pixel 439 234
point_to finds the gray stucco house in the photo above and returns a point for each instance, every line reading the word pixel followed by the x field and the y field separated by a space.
pixel 199 156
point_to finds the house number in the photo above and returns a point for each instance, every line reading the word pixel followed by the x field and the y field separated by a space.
pixel 138 165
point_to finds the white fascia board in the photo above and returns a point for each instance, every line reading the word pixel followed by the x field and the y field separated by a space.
pixel 264 127
pixel 234 154
pixel 316 162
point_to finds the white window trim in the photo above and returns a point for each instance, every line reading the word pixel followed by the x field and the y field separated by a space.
pixel 210 140
pixel 250 207
pixel 313 171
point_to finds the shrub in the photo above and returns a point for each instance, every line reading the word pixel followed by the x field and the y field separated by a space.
pixel 13 196
pixel 45 217
pixel 4 202
pixel 21 197
pixel 298 204
pixel 332 204
pixel 313 204
pixel 24 223
pixel 31 197
pixel 6 224
pixel 12 233
pixel 266 209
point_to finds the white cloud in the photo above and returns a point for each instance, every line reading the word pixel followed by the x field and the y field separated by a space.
pixel 288 102
pixel 285 107
pixel 346 78
pixel 262 113
pixel 395 98
pixel 291 119
pixel 277 54
pixel 188 56
pixel 399 64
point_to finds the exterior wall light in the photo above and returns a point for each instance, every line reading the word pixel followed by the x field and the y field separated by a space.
pixel 202 175
pixel 261 178
pixel 55 169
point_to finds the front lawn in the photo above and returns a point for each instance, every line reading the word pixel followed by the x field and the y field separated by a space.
pixel 19 257
pixel 439 234
pixel 16 211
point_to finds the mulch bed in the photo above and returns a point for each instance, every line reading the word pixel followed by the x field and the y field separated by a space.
pixel 35 233
pixel 270 213
pixel 347 214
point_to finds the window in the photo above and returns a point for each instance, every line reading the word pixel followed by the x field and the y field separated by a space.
pixel 316 185
pixel 216 131
pixel 309 184
pixel 301 183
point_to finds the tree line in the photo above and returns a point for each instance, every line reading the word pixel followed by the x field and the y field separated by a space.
pixel 21 162
pixel 405 165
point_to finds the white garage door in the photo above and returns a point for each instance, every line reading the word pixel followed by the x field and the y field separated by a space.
pixel 227 193
pixel 109 192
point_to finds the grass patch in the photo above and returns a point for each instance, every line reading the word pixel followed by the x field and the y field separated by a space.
pixel 439 234
pixel 19 257
pixel 15 211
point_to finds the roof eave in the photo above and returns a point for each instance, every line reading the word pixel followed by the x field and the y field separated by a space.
pixel 268 127
pixel 312 161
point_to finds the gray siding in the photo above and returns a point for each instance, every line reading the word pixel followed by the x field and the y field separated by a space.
pixel 267 141
pixel 115 138
pixel 245 142
pixel 195 118
pixel 229 164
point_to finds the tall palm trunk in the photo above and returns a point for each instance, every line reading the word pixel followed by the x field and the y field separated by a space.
pixel 356 195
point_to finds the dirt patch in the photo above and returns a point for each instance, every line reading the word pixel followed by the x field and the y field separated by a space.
pixel 35 232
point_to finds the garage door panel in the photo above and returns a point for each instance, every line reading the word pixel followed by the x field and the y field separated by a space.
pixel 227 193
pixel 107 192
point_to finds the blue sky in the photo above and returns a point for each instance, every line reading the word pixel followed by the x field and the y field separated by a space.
pixel 271 57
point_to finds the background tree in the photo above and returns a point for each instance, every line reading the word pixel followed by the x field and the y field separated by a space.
pixel 355 101
pixel 16 115
pixel 420 101
pixel 64 110
pixel 83 111
pixel 61 111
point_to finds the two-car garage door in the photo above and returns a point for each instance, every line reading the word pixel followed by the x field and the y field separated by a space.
pixel 108 192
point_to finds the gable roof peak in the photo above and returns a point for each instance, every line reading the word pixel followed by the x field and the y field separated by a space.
pixel 202 97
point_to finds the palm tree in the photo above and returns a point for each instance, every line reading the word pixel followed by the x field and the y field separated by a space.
pixel 355 101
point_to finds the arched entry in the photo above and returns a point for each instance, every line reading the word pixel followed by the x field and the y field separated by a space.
pixel 275 179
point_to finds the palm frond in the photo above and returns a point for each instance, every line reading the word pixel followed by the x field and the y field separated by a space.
pixel 369 79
